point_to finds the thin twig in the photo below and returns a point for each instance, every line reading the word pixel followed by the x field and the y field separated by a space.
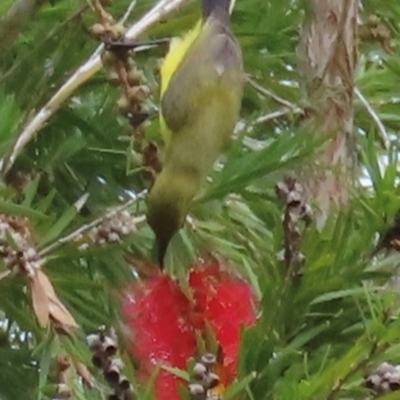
pixel 277 114
pixel 267 93
pixel 80 76
pixel 87 227
pixel 128 11
pixel 383 135
pixel 288 107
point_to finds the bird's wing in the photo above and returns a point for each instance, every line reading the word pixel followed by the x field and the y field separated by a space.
pixel 214 53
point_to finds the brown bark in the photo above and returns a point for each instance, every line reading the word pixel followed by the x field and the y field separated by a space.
pixel 327 59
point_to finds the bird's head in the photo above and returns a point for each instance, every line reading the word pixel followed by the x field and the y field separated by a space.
pixel 167 207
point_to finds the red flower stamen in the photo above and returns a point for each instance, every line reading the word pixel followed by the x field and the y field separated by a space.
pixel 163 322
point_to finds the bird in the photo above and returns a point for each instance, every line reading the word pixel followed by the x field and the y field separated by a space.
pixel 201 92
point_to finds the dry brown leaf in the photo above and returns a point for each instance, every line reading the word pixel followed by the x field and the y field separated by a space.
pixel 84 373
pixel 40 300
pixel 45 282
pixel 49 303
pixel 61 315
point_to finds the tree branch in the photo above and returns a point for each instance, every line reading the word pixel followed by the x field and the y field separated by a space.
pixel 87 227
pixel 327 55
pixel 16 20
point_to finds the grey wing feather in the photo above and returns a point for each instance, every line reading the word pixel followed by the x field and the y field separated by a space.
pixel 198 70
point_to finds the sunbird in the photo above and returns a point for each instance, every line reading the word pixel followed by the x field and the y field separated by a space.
pixel 201 93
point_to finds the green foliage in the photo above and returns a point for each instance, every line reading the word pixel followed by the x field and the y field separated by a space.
pixel 318 333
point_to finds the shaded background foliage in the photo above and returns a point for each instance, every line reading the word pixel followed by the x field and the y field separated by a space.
pixel 316 335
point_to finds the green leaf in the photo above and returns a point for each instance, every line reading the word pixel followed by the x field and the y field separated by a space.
pixel 61 224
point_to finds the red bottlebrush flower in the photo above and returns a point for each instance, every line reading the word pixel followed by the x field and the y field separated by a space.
pixel 156 312
pixel 228 304
pixel 164 322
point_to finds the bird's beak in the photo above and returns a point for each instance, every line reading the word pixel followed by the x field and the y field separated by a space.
pixel 161 247
pixel 135 45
